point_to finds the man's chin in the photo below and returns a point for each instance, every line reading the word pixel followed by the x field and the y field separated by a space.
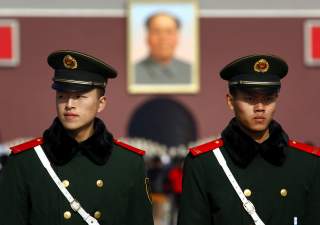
pixel 70 126
pixel 259 127
pixel 256 128
pixel 163 58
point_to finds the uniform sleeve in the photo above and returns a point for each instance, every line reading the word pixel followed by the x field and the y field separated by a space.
pixel 312 215
pixel 13 195
pixel 194 205
pixel 140 206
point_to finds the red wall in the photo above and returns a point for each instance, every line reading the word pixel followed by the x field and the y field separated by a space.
pixel 27 101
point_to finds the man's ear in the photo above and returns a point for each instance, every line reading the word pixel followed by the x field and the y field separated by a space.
pixel 230 101
pixel 102 103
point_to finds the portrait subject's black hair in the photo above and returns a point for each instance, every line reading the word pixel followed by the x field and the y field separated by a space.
pixel 151 17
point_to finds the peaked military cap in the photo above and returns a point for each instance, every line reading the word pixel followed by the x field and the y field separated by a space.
pixel 255 71
pixel 76 71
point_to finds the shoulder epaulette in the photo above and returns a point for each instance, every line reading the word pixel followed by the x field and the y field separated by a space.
pixel 129 147
pixel 305 147
pixel 198 150
pixel 26 145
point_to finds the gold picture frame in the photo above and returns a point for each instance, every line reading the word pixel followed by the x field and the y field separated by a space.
pixel 163 47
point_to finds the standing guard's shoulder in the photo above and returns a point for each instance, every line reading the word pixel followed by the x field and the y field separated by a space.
pixel 304 147
pixel 26 145
pixel 129 147
pixel 209 146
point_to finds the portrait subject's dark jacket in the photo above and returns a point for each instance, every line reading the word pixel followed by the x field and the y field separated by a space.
pixel 107 179
pixel 277 176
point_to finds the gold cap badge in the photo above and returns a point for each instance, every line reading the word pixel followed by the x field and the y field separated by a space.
pixel 261 66
pixel 69 62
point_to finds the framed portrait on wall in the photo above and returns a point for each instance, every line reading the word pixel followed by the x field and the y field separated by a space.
pixel 163 47
pixel 9 43
pixel 312 42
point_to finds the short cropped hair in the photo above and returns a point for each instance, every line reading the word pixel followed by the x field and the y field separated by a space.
pixel 101 92
pixel 151 17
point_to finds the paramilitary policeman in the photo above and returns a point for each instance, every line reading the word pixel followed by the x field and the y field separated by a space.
pixel 253 174
pixel 76 173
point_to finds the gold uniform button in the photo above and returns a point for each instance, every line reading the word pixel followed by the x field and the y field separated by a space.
pixel 66 183
pixel 283 192
pixel 247 192
pixel 97 215
pixel 67 215
pixel 99 183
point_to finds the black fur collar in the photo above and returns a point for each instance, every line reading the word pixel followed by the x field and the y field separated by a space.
pixel 243 148
pixel 61 148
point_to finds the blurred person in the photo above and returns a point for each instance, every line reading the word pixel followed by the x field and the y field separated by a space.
pixel 2 147
pixel 3 161
pixel 253 174
pixel 161 66
pixel 156 175
pixel 175 178
pixel 3 150
pixel 175 174
pixel 3 154
pixel 76 173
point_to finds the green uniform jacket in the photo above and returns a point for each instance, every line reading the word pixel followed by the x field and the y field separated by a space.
pixel 115 192
pixel 279 193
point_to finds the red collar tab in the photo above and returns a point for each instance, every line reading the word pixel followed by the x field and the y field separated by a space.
pixel 305 147
pixel 26 145
pixel 129 147
pixel 198 150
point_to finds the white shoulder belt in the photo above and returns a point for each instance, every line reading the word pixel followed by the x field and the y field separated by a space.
pixel 248 206
pixel 75 205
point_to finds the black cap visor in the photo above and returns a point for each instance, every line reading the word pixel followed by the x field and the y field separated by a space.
pixel 252 90
pixel 68 87
pixel 255 78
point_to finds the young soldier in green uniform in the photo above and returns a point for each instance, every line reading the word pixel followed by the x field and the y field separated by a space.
pixel 253 174
pixel 76 173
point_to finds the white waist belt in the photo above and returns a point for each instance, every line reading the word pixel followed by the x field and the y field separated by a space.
pixel 248 206
pixel 75 205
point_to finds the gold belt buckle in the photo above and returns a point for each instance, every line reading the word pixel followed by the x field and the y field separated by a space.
pixel 249 207
pixel 75 205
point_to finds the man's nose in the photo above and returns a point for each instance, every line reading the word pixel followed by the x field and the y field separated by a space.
pixel 259 107
pixel 69 103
